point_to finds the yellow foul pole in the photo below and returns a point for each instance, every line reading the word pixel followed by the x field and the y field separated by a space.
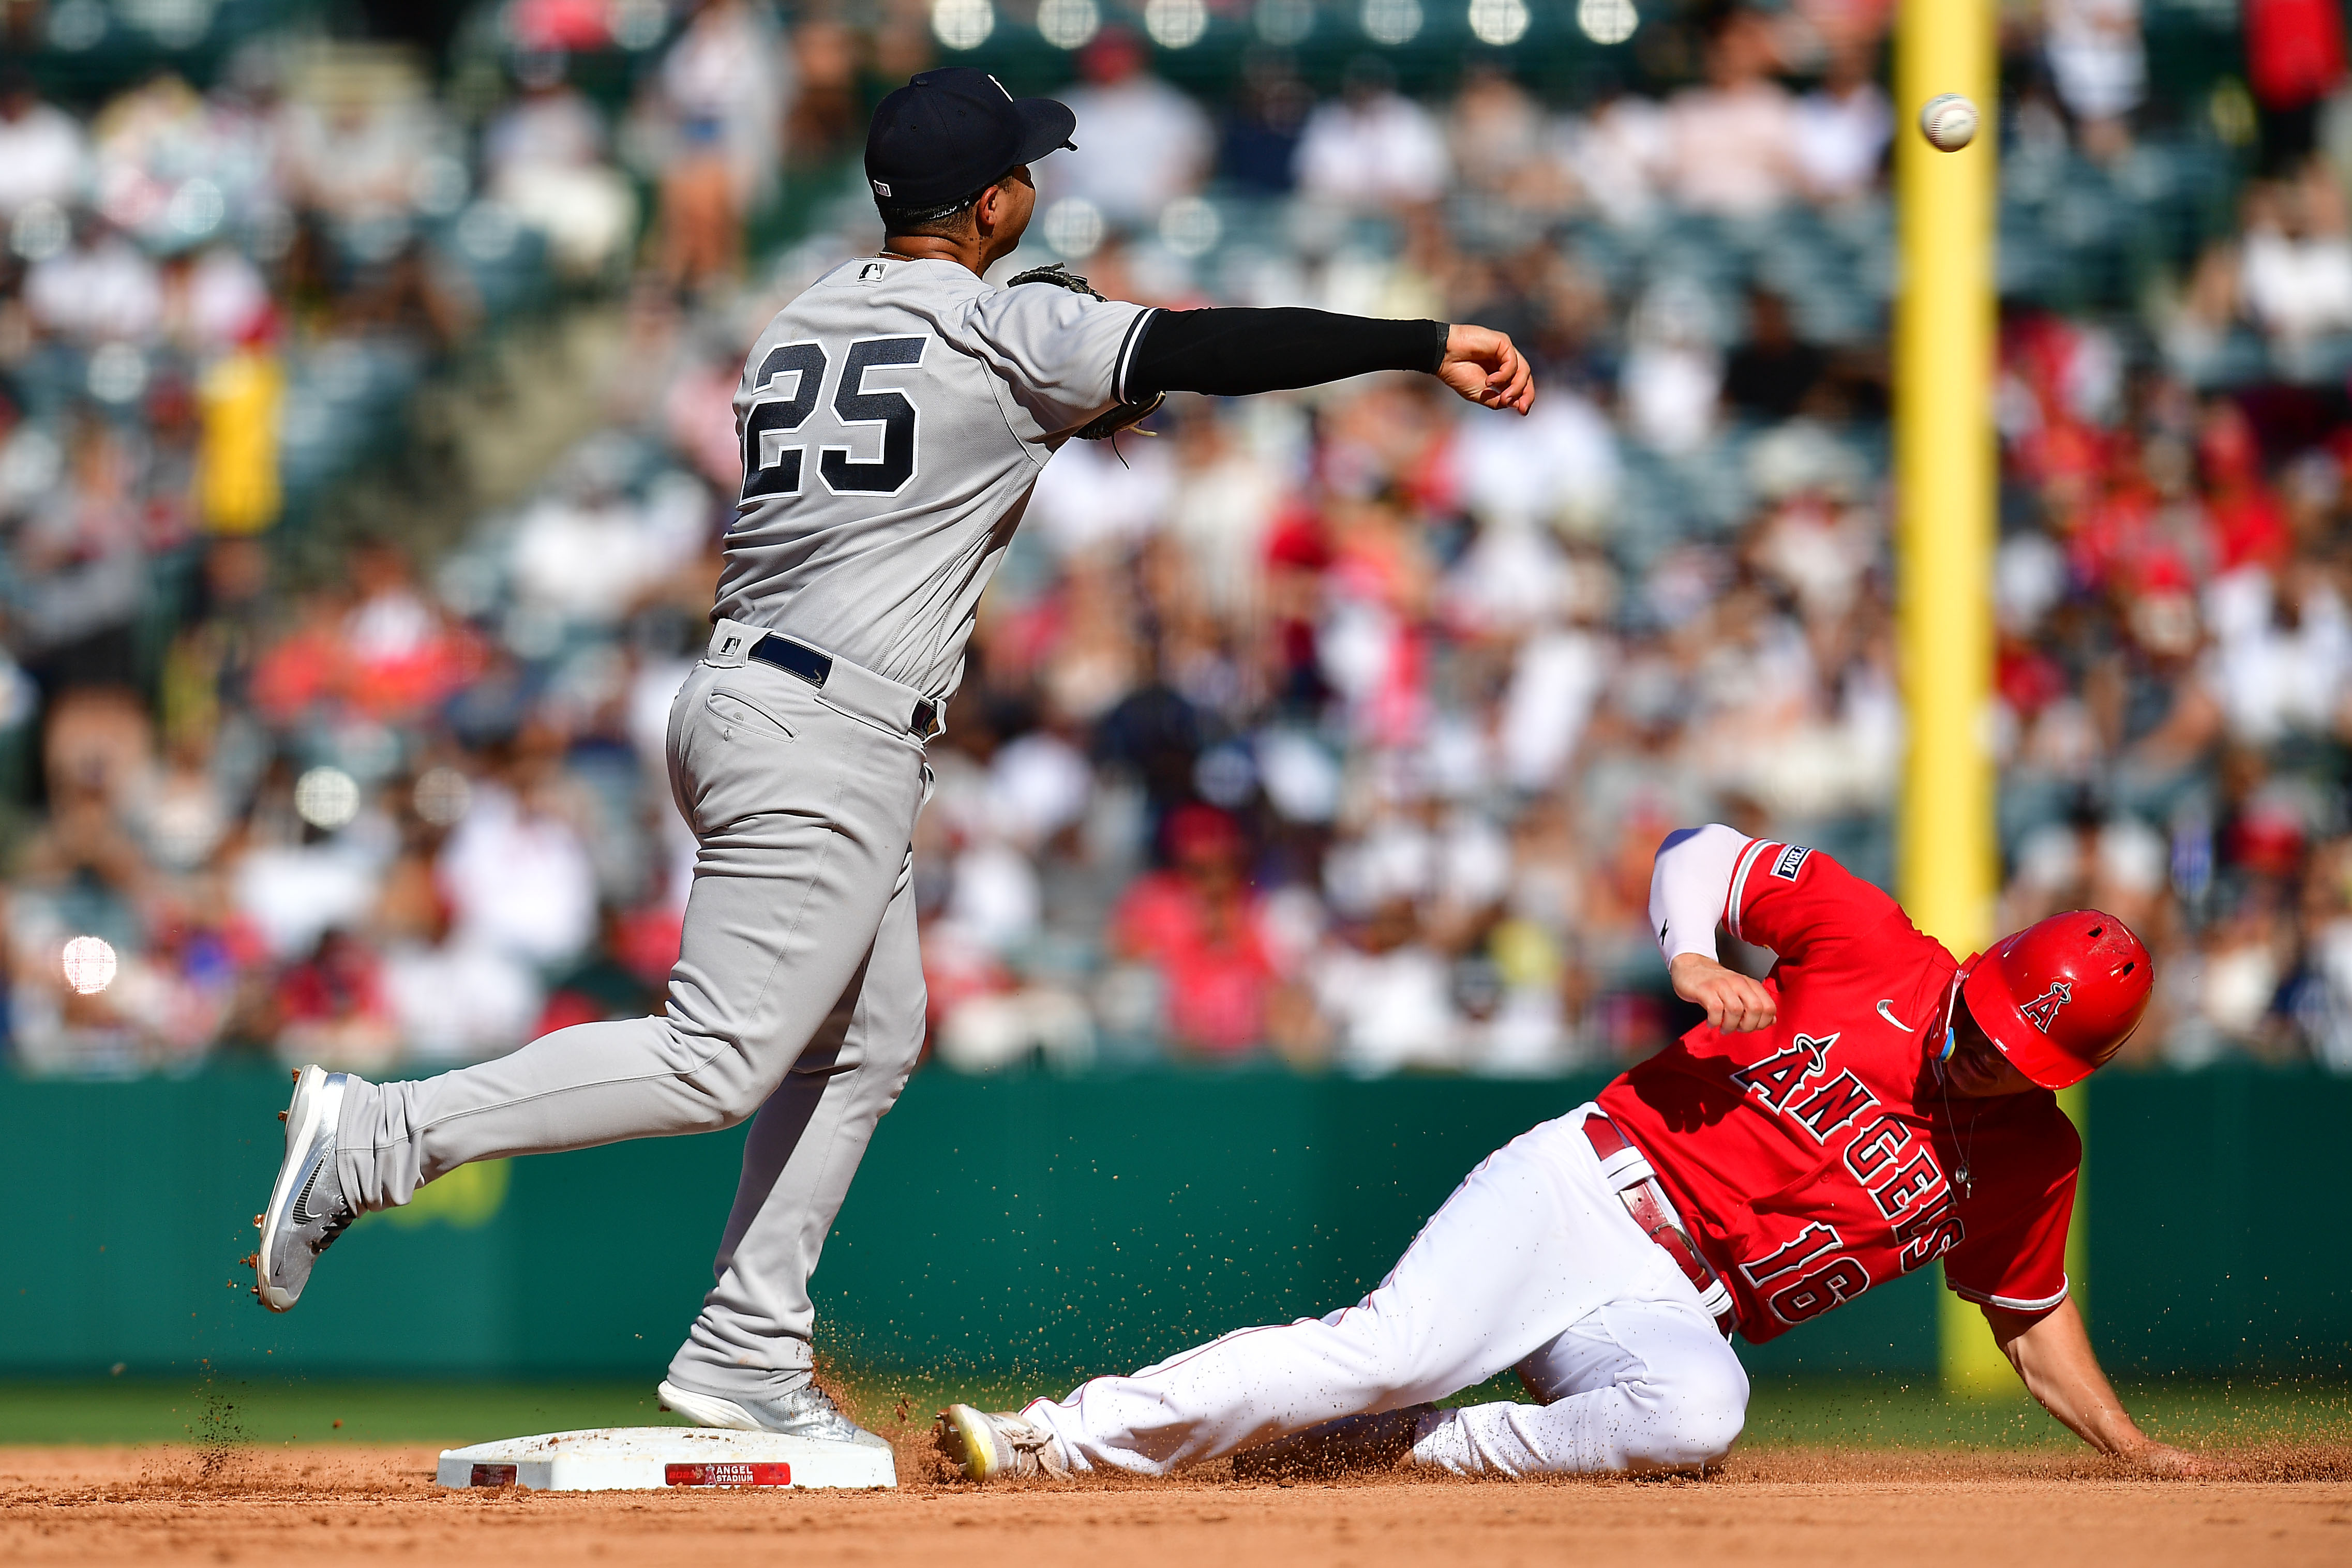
pixel 1947 865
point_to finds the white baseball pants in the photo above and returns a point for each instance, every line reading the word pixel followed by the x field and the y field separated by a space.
pixel 797 999
pixel 1532 1264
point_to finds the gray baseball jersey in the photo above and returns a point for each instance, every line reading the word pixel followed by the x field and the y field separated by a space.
pixel 894 419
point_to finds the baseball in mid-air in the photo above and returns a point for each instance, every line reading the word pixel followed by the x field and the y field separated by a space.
pixel 1949 122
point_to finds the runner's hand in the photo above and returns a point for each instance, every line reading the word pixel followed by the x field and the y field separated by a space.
pixel 1733 1002
pixel 2164 1459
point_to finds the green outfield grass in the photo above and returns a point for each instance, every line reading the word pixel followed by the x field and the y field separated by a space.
pixel 1880 1413
pixel 1870 1414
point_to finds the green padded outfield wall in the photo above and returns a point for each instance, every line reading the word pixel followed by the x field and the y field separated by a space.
pixel 1046 1226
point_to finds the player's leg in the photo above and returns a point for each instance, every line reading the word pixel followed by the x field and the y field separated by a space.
pixel 1530 1244
pixel 751 1338
pixel 1641 1384
pixel 802 837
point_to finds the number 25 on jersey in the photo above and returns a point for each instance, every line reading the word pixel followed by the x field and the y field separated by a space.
pixel 786 394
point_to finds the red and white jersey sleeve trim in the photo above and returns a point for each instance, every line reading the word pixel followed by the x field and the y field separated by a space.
pixel 1690 885
pixel 1737 891
pixel 2013 1303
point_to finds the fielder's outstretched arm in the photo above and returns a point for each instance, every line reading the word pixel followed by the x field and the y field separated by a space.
pixel 2052 1354
pixel 1232 353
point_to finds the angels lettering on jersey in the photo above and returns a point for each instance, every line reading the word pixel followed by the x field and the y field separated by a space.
pixel 1814 1272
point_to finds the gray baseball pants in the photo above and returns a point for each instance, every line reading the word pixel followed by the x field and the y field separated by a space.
pixel 797 1001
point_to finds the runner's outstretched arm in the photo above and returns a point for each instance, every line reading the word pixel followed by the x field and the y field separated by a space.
pixel 2052 1354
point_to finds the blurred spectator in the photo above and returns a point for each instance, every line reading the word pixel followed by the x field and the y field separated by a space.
pixel 1145 143
pixel 1500 143
pixel 380 649
pixel 2281 659
pixel 1619 155
pixel 216 299
pixel 455 998
pixel 77 573
pixel 1772 373
pixel 361 141
pixel 711 130
pixel 1372 148
pixel 334 1009
pixel 544 157
pixel 1732 143
pixel 2100 66
pixel 1673 372
pixel 2249 526
pixel 1222 506
pixel 1841 128
pixel 2117 864
pixel 1197 925
pixel 2297 267
pixel 241 399
pixel 100 289
pixel 1560 466
pixel 622 977
pixel 2294 62
pixel 43 153
pixel 1388 994
pixel 589 551
pixel 293 883
pixel 1259 145
pixel 825 115
pixel 517 876
pixel 2323 1001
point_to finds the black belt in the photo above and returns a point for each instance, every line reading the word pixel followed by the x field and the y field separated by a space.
pixel 815 667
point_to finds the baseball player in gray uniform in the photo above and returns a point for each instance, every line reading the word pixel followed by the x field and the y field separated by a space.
pixel 894 419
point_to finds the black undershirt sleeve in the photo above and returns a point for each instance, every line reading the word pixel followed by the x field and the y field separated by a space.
pixel 1232 353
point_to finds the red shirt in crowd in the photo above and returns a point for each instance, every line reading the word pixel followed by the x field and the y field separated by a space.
pixel 1819 1157
pixel 2295 50
pixel 1211 956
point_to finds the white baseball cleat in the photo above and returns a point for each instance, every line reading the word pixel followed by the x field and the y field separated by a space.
pixel 804 1412
pixel 984 1444
pixel 307 1210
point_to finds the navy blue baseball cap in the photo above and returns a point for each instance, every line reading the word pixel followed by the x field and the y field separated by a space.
pixel 948 133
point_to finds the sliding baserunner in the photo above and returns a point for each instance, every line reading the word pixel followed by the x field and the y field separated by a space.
pixel 1870 1106
pixel 894 419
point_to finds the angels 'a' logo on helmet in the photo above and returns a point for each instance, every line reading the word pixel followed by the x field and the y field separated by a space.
pixel 2043 1010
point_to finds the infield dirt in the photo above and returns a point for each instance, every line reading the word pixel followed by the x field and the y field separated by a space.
pixel 174 1504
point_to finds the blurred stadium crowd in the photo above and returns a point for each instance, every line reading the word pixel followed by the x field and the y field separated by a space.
pixel 1339 727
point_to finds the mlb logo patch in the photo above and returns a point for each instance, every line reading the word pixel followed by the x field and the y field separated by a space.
pixel 872 270
pixel 1791 861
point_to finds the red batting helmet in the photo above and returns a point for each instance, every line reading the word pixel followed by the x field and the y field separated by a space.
pixel 2058 998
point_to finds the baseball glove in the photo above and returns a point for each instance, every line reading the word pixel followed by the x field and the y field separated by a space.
pixel 1127 414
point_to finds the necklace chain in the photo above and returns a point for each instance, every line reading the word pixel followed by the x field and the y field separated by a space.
pixel 1961 1175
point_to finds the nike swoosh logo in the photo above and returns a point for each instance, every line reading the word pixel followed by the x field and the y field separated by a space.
pixel 301 1213
pixel 1890 1017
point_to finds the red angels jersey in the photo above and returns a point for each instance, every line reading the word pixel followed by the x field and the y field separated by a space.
pixel 1817 1158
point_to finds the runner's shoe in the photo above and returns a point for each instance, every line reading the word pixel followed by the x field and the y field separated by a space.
pixel 307 1210
pixel 985 1444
